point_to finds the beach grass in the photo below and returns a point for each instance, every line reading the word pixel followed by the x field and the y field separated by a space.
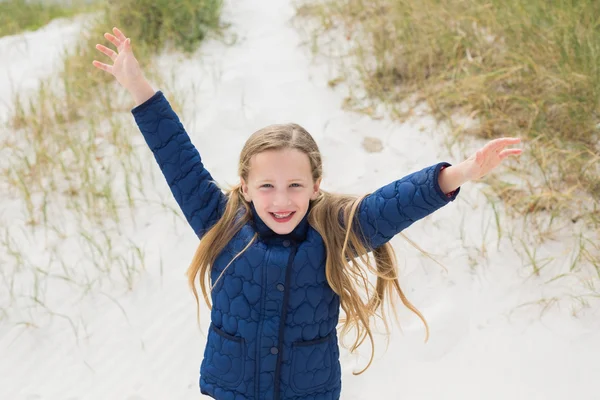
pixel 17 16
pixel 510 68
pixel 76 162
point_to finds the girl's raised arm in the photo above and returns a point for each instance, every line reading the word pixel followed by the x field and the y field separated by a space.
pixel 200 199
pixel 394 207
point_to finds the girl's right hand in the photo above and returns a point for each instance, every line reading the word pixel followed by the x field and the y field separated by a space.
pixel 125 66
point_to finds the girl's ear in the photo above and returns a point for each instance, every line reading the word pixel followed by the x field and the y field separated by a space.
pixel 316 187
pixel 244 190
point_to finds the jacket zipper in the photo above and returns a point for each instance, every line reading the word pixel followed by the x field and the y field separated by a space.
pixel 260 325
pixel 286 295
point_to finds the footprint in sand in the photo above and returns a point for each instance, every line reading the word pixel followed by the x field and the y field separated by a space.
pixel 372 145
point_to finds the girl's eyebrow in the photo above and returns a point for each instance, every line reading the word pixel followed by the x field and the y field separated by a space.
pixel 267 180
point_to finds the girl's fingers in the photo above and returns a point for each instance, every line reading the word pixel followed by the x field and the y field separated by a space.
pixel 497 145
pixel 510 152
pixel 510 141
pixel 119 34
pixel 102 66
pixel 506 141
pixel 112 39
pixel 112 54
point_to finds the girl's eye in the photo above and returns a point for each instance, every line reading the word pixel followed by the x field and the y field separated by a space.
pixel 268 185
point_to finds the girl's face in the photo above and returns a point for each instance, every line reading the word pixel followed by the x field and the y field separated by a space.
pixel 280 185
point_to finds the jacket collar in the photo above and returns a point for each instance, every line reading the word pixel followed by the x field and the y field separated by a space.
pixel 268 236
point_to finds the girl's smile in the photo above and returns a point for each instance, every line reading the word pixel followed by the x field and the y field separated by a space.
pixel 282 217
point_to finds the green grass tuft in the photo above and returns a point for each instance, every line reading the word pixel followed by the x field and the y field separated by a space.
pixel 21 15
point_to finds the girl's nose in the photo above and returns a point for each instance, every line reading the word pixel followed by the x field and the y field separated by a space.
pixel 281 199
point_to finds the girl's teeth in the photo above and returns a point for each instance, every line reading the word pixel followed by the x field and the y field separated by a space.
pixel 282 215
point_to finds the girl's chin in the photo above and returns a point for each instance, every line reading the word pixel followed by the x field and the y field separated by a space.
pixel 281 229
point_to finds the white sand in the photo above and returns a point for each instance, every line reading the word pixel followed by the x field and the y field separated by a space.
pixel 482 346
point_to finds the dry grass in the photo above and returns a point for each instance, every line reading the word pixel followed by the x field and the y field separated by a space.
pixel 528 69
pixel 76 164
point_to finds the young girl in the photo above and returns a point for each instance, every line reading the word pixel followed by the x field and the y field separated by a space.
pixel 280 255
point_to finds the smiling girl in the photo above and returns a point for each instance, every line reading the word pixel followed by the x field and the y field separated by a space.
pixel 278 256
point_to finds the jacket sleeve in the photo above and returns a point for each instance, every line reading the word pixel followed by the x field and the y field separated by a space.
pixel 200 199
pixel 394 207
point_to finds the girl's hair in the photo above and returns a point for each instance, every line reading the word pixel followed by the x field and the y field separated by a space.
pixel 347 257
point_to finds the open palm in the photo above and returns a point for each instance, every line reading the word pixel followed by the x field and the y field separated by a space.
pixel 489 157
pixel 125 66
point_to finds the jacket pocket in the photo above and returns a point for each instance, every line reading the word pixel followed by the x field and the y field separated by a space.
pixel 312 364
pixel 224 358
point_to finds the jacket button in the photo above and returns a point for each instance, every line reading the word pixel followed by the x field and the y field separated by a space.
pixel 280 287
pixel 286 243
pixel 274 350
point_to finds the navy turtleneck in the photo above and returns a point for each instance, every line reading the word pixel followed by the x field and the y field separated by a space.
pixel 267 235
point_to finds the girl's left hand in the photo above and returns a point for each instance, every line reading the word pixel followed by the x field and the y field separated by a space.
pixel 489 157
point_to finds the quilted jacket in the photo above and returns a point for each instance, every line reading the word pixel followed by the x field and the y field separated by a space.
pixel 273 321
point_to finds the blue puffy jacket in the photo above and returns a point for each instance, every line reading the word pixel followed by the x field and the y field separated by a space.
pixel 274 317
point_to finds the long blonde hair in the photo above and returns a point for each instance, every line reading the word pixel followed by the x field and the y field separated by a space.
pixel 347 263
